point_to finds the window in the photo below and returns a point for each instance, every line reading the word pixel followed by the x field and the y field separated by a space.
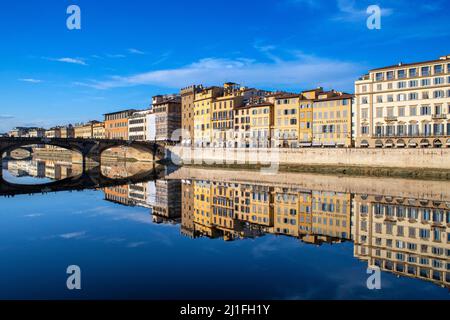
pixel 425 95
pixel 390 111
pixel 413 111
pixel 379 99
pixel 365 130
pixel 438 94
pixel 389 86
pixel 439 80
pixel 401 84
pixel 401 111
pixel 426 82
pixel 390 75
pixel 401 74
pixel 379 112
pixel 413 96
pixel 390 98
pixel 425 71
pixel 413 72
pixel 413 83
pixel 425 110
pixel 379 76
pixel 364 113
pixel 401 97
pixel 380 86
pixel 438 69
pixel 364 100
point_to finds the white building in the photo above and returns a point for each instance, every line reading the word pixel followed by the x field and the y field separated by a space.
pixel 404 105
pixel 151 126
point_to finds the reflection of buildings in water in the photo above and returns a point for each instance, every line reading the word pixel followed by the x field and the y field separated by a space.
pixel 138 193
pixel 403 236
pixel 119 195
pixel 234 210
pixel 331 214
pixel 187 208
pixel 406 237
pixel 55 170
pixel 167 206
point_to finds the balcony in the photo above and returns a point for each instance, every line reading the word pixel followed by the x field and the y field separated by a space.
pixel 390 118
pixel 439 116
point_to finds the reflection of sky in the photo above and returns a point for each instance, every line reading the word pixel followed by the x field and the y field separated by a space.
pixel 24 180
pixel 123 255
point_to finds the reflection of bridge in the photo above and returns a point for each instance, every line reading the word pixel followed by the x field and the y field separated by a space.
pixel 90 149
pixel 90 179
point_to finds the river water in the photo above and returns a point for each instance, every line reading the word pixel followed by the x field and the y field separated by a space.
pixel 213 238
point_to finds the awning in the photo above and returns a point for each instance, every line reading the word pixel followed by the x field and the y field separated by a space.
pixel 364 144
pixel 424 143
pixel 412 144
pixel 400 144
pixel 305 144
pixel 378 144
pixel 438 143
pixel 389 144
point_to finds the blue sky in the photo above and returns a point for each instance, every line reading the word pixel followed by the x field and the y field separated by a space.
pixel 128 51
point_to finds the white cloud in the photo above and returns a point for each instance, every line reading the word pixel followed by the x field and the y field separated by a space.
pixel 116 56
pixel 302 71
pixel 135 51
pixel 71 60
pixel 30 80
pixel 6 117
pixel 73 235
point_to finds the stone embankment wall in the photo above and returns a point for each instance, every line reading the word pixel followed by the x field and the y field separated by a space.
pixel 386 158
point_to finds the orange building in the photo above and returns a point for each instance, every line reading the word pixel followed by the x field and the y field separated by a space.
pixel 116 124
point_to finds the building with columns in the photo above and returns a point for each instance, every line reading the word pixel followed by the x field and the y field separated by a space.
pixel 404 105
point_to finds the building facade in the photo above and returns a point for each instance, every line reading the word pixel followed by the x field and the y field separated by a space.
pixel 98 130
pixel 404 236
pixel 137 125
pixel 67 131
pixel 187 112
pixel 116 124
pixel 167 111
pixel 404 105
pixel 202 115
pixel 332 120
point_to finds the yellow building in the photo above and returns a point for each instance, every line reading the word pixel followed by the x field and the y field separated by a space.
pixel 305 131
pixel 98 130
pixel 222 115
pixel 286 211
pixel 286 120
pixel 202 208
pixel 222 206
pixel 85 131
pixel 332 120
pixel 202 115
pixel 242 131
pixel 331 214
pixel 261 122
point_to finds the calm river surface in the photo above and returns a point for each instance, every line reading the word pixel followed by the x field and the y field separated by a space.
pixel 161 238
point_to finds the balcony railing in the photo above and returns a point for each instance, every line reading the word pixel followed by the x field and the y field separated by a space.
pixel 390 118
pixel 409 135
pixel 439 116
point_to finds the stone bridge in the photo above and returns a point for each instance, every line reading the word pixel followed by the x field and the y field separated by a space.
pixel 90 149
pixel 89 179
